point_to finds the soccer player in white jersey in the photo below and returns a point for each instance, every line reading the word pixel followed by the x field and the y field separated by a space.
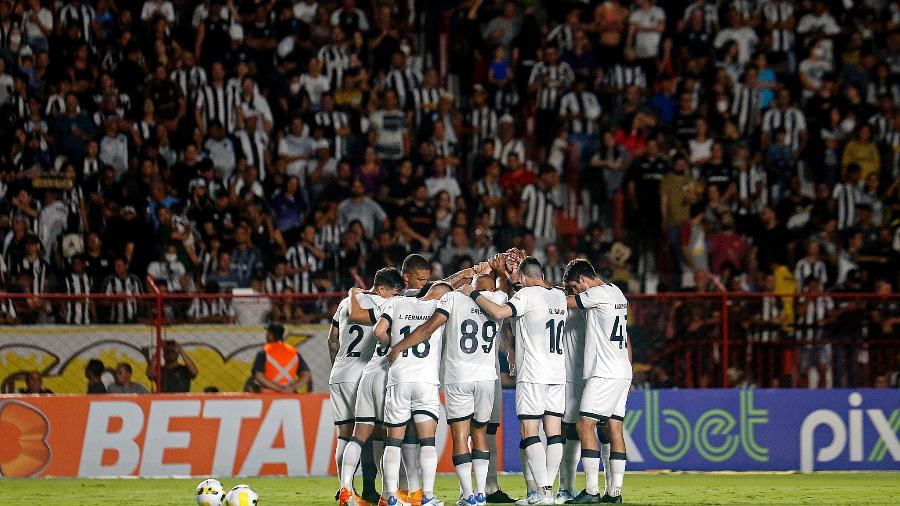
pixel 573 350
pixel 538 313
pixel 607 375
pixel 352 347
pixel 412 391
pixel 470 371
pixel 416 273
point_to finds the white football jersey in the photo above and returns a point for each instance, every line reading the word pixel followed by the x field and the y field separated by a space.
pixel 539 320
pixel 606 339
pixel 357 343
pixel 470 338
pixel 421 363
pixel 378 361
pixel 573 345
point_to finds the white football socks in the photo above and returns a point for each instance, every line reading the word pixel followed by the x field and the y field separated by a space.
pixel 339 452
pixel 554 454
pixel 537 462
pixel 391 467
pixel 349 463
pixel 590 460
pixel 463 465
pixel 568 470
pixel 617 464
pixel 530 485
pixel 492 484
pixel 428 460
pixel 607 472
pixel 411 465
pixel 481 464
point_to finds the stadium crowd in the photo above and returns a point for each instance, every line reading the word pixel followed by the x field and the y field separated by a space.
pixel 296 147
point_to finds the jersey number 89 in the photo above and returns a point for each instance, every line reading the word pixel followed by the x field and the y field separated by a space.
pixel 468 343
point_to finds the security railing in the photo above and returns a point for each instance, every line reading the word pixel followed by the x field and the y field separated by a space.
pixel 176 342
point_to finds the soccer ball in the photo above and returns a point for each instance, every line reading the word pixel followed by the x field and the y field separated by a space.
pixel 210 493
pixel 241 495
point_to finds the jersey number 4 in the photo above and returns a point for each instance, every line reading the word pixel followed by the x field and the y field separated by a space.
pixel 555 330
pixel 618 332
pixel 468 343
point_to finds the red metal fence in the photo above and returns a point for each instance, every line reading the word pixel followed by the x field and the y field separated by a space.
pixel 712 339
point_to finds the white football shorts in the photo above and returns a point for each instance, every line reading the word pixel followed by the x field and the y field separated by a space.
pixel 343 402
pixel 410 401
pixel 370 398
pixel 604 398
pixel 534 400
pixel 473 400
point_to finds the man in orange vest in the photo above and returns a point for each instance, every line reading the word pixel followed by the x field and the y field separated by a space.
pixel 278 368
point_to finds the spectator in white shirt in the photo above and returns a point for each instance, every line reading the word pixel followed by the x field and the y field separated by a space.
pixel 645 26
pixel 114 148
pixel 37 23
pixel 153 8
pixel 442 181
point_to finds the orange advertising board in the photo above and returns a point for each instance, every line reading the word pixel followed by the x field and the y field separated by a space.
pixel 173 435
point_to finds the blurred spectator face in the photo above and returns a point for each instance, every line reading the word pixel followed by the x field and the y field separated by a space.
pixel 552 253
pixel 78 266
pixel 686 103
pixel 783 98
pixel 170 254
pixel 121 267
pixel 164 215
pixel 217 72
pixel 34 382
pixel 123 374
pixel 32 248
pixel 551 55
pixel 357 189
pixel 224 261
pixel 72 106
pixel 406 169
pixel 242 236
pixel 420 194
pixel 459 237
pixel 390 100
pixel 440 167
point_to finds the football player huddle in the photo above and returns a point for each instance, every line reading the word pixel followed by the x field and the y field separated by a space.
pixel 396 344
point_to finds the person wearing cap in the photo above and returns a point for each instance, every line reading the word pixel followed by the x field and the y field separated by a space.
pixel 176 377
pixel 279 368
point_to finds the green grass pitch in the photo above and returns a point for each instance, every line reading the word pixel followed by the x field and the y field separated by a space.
pixel 640 488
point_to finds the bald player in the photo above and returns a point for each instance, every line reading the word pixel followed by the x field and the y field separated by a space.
pixel 470 373
pixel 538 314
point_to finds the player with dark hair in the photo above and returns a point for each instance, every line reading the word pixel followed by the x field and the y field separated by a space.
pixel 607 375
pixel 352 346
pixel 470 373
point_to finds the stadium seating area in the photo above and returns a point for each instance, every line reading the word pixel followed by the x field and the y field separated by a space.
pixel 296 147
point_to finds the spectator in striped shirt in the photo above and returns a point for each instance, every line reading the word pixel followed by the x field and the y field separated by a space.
pixel 122 283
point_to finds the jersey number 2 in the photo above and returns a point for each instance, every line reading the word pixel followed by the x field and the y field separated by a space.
pixel 354 329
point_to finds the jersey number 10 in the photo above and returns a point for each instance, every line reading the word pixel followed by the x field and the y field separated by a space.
pixel 555 330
